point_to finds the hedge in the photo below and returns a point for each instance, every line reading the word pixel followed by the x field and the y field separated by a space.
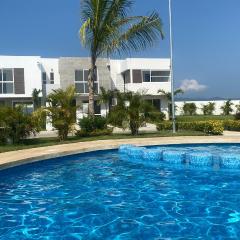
pixel 95 133
pixel 208 127
pixel 232 125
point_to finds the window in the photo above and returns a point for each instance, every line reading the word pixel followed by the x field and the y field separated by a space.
pixel 6 81
pixel 126 77
pixel 97 107
pixel 146 76
pixel 155 76
pixel 81 82
pixel 156 103
pixel 44 77
pixel 27 107
pixel 51 77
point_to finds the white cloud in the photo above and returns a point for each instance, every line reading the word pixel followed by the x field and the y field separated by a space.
pixel 192 85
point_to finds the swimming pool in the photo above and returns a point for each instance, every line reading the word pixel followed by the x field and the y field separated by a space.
pixel 101 196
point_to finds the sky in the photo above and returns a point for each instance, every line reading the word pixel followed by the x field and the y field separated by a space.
pixel 206 38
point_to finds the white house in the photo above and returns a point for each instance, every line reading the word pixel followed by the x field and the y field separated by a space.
pixel 19 75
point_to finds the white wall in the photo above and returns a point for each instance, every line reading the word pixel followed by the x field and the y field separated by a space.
pixel 31 73
pixel 33 68
pixel 199 104
pixel 151 88
pixel 49 65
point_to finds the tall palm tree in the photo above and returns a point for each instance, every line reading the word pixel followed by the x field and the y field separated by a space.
pixel 107 28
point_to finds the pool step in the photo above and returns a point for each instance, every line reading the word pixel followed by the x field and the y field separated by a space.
pixel 198 158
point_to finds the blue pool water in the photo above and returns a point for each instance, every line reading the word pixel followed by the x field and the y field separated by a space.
pixel 102 196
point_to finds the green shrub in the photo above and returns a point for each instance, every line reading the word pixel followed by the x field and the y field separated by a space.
pixel 237 116
pixel 91 124
pixel 156 116
pixel 189 109
pixel 165 126
pixel 203 118
pixel 95 133
pixel 3 135
pixel 16 125
pixel 231 125
pixel 208 127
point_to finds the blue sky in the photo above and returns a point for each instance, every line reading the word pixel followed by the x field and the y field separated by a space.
pixel 206 38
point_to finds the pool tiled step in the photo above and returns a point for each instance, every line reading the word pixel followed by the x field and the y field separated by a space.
pixel 198 158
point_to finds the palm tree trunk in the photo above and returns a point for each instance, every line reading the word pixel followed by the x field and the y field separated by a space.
pixel 91 80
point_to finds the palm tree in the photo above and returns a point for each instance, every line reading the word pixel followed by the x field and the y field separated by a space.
pixel 168 95
pixel 36 99
pixel 105 97
pixel 227 107
pixel 107 29
pixel 131 111
pixel 62 110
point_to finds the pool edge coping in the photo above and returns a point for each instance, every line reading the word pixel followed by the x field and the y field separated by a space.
pixel 21 157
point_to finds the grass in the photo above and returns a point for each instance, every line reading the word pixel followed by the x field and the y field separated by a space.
pixel 203 118
pixel 43 142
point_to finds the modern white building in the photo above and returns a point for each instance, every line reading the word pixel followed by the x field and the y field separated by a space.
pixel 19 75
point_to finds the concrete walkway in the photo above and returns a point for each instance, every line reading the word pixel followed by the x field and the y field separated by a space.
pixel 35 154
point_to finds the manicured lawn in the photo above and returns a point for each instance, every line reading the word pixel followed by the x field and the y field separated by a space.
pixel 203 118
pixel 42 142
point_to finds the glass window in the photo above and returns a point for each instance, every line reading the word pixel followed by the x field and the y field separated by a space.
pixel 44 77
pixel 97 108
pixel 86 88
pixel 7 87
pixel 155 73
pixel 1 75
pixel 51 77
pixel 81 82
pixel 85 75
pixel 1 88
pixel 78 76
pixel 95 87
pixel 126 77
pixel 146 76
pixel 161 73
pixel 79 87
pixel 156 76
pixel 7 75
pixel 157 104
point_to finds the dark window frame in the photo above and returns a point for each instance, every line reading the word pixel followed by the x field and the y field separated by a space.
pixel 154 77
pixel 81 82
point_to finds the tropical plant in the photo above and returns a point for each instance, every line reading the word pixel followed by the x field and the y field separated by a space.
pixel 16 125
pixel 227 107
pixel 90 124
pixel 208 109
pixel 93 126
pixel 168 95
pixel 36 99
pixel 189 109
pixel 106 97
pixel 107 29
pixel 131 112
pixel 62 110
